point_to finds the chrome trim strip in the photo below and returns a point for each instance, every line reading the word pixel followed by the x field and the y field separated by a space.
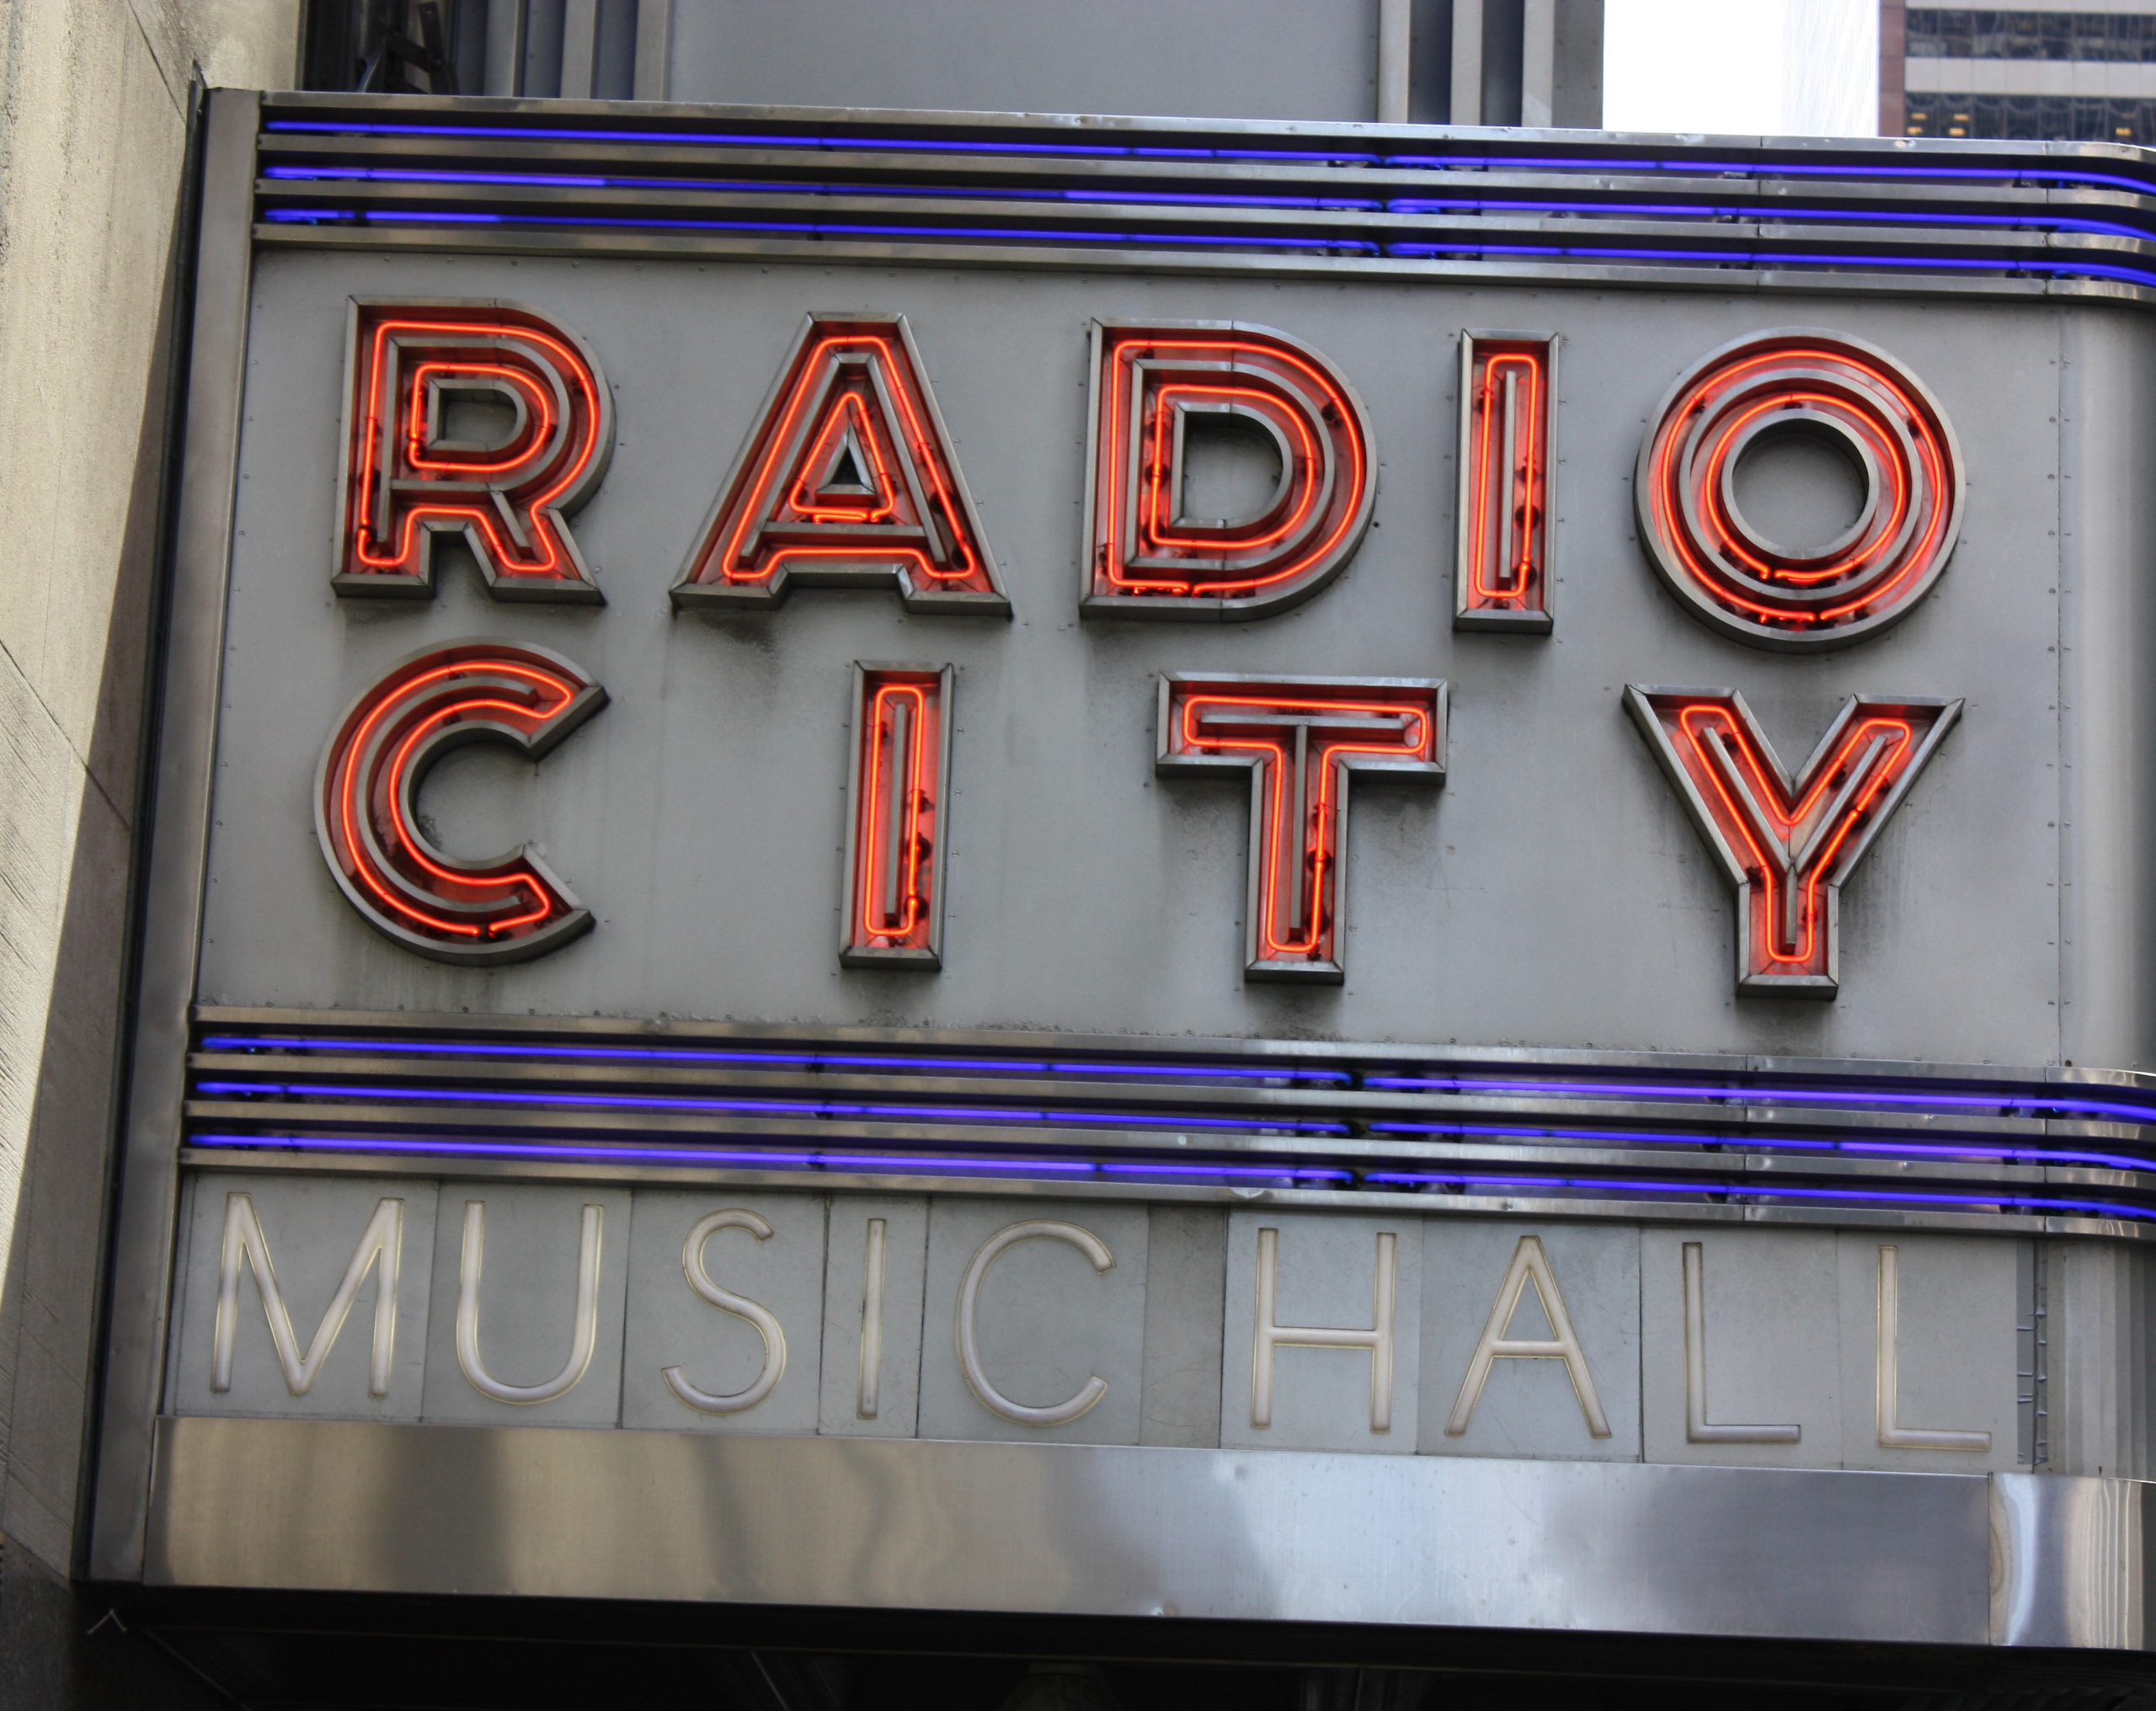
pixel 1448 1129
pixel 1398 1056
pixel 1072 1529
pixel 2075 1562
pixel 480 175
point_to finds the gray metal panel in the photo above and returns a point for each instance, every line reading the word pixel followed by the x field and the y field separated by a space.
pixel 148 1167
pixel 1186 1273
pixel 1488 879
pixel 872 1361
pixel 310 1228
pixel 1322 1395
pixel 1048 1323
pixel 531 1323
pixel 1281 59
pixel 1534 1406
pixel 2106 407
pixel 1957 1303
pixel 1080 1530
pixel 2075 1562
pixel 1772 1345
pixel 721 1353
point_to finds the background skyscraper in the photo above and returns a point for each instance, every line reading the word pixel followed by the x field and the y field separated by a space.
pixel 2079 70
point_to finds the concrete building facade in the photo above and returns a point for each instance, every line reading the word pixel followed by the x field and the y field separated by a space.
pixel 94 122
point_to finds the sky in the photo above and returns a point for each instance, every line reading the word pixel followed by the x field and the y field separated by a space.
pixel 1736 67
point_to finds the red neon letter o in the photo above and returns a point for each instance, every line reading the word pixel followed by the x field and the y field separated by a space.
pixel 1729 575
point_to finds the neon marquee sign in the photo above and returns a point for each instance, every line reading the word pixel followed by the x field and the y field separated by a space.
pixel 847 482
pixel 848 478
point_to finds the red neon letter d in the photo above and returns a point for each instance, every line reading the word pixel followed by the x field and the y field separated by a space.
pixel 1156 387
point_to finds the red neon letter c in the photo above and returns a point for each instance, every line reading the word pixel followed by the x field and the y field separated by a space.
pixel 506 909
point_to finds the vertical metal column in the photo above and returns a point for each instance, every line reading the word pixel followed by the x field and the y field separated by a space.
pixel 1467 62
pixel 178 845
pixel 1394 36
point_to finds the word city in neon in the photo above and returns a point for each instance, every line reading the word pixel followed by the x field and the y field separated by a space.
pixel 848 480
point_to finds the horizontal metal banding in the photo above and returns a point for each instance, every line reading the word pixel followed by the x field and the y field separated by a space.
pixel 2007 1559
pixel 1075 1529
pixel 1672 1137
pixel 478 175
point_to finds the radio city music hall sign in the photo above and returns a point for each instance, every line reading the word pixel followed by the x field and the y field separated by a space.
pixel 848 478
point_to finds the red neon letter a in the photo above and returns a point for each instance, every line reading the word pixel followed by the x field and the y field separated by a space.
pixel 846 480
pixel 1788 843
pixel 413 472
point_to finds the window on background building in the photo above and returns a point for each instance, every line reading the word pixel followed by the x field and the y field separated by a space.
pixel 2063 118
pixel 1993 33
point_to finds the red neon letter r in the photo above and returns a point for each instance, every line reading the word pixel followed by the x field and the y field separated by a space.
pixel 410 475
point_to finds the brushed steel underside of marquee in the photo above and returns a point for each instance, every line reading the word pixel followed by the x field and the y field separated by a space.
pixel 1083 1530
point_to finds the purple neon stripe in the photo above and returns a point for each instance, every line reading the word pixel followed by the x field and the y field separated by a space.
pixel 2003 172
pixel 1463 1083
pixel 1588 253
pixel 755 140
pixel 780 187
pixel 1946 1150
pixel 2032 220
pixel 406 175
pixel 901 1163
pixel 242 1042
pixel 1751 1189
pixel 1792 258
pixel 814 228
pixel 805 1107
pixel 1540 1132
pixel 1682 166
pixel 2031 1103
pixel 1768 214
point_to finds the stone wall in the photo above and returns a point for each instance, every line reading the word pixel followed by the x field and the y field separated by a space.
pixel 95 97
